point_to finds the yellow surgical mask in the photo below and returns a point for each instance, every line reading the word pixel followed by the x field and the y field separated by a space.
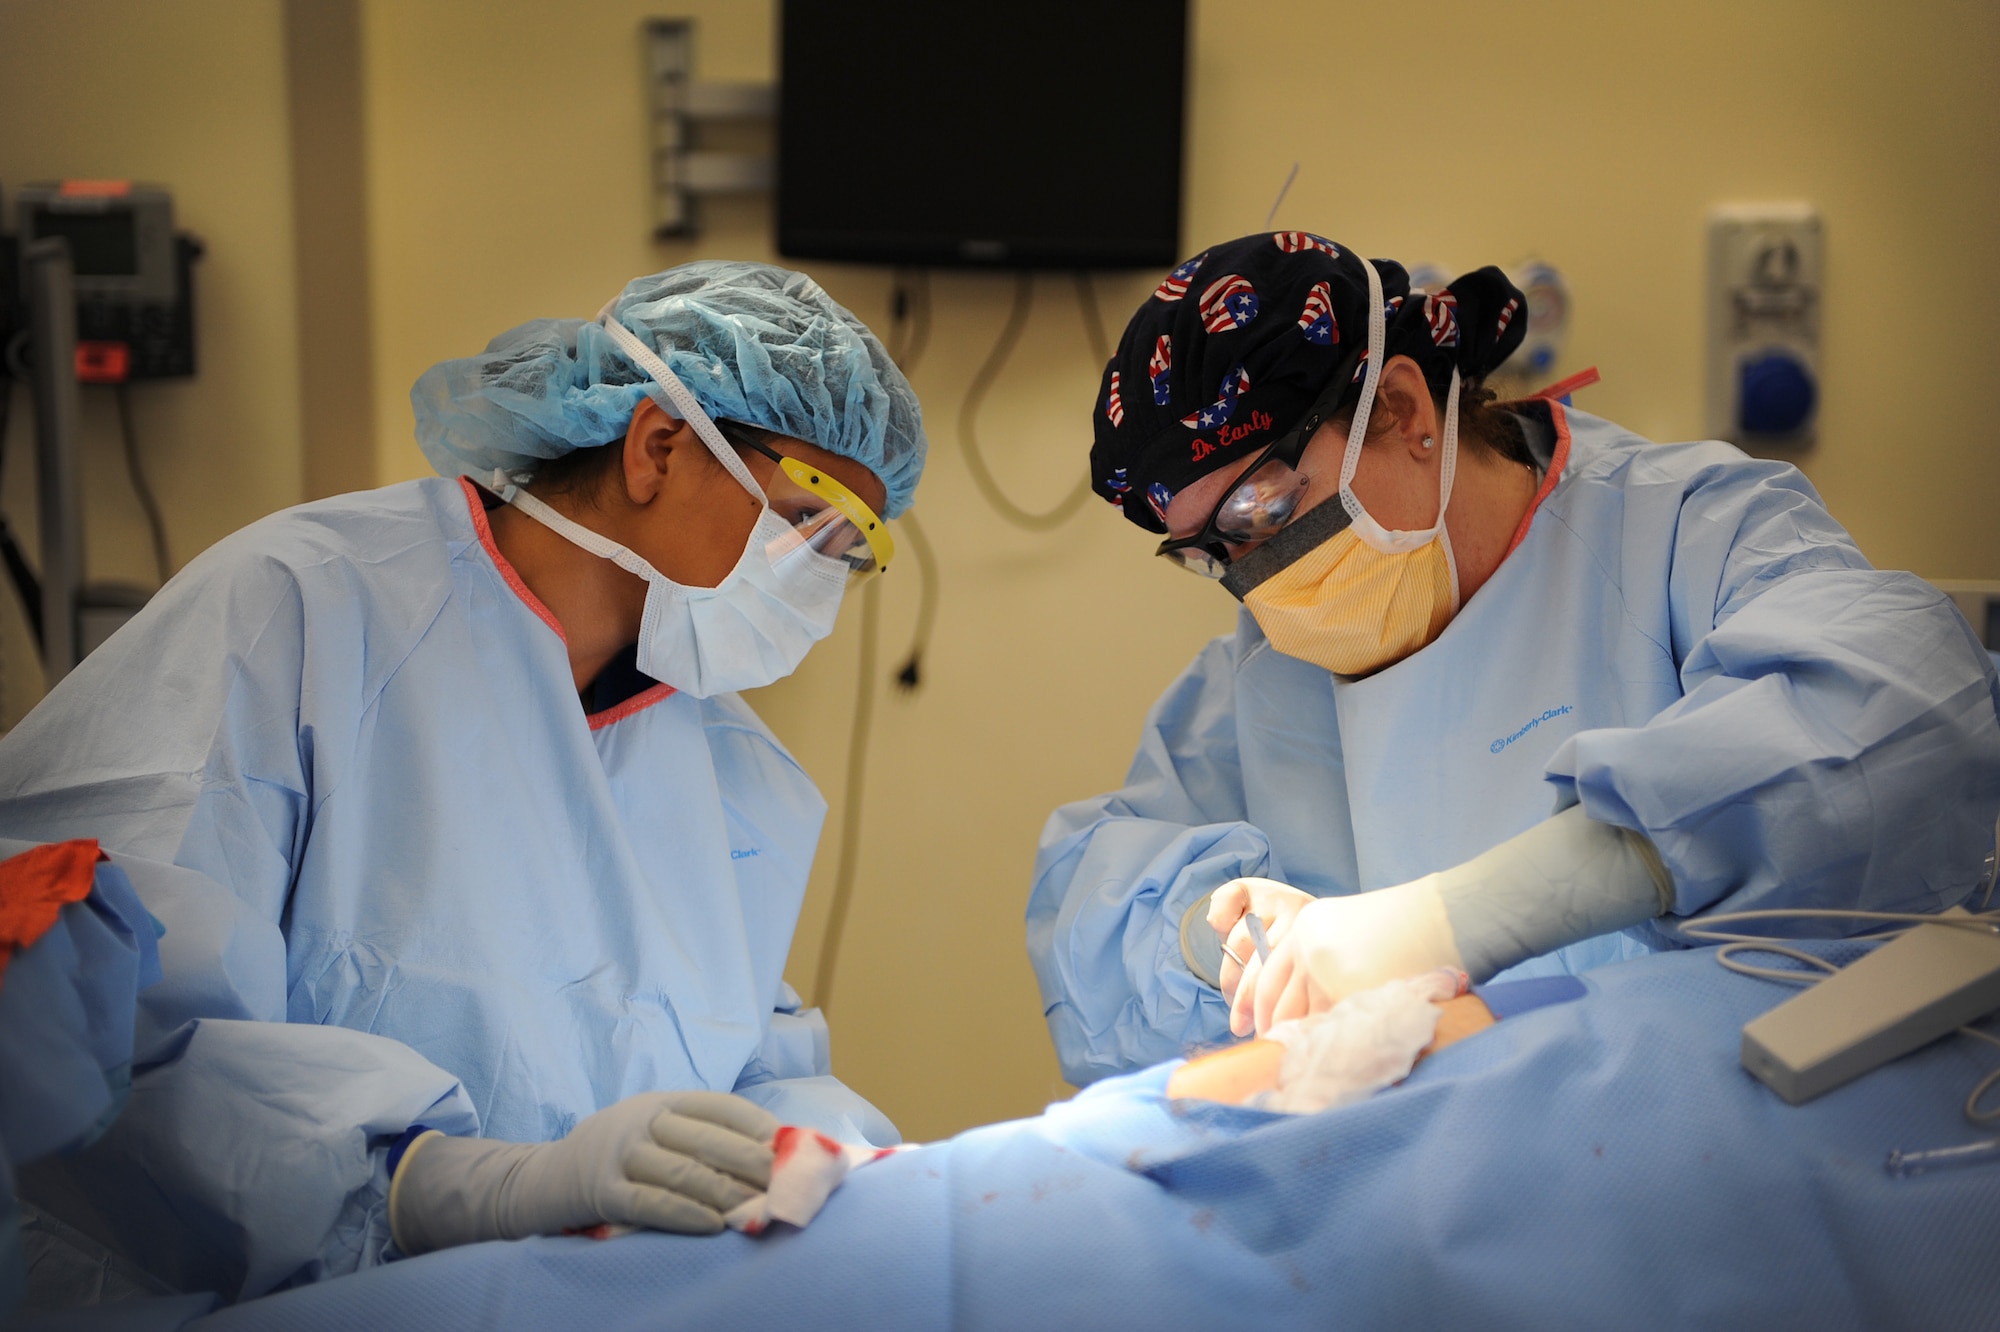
pixel 1351 608
pixel 1338 589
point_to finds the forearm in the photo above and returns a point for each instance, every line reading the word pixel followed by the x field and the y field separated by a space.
pixel 1234 1075
pixel 1567 879
pixel 1104 934
pixel 1837 746
pixel 257 1155
pixel 253 1151
pixel 448 1191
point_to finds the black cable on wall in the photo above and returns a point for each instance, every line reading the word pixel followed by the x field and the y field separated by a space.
pixel 147 504
pixel 909 335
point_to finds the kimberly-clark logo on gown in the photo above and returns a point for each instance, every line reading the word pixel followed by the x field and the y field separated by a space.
pixel 1533 722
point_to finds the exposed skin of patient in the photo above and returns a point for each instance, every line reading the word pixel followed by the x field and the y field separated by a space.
pixel 1234 1075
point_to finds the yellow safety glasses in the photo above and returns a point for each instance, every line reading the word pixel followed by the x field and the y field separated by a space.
pixel 824 514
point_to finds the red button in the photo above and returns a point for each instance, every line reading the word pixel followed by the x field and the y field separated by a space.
pixel 96 189
pixel 102 362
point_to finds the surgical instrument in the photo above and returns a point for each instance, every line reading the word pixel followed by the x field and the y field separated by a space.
pixel 1904 1164
pixel 1257 936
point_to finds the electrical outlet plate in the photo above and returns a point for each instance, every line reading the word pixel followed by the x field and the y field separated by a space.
pixel 1765 267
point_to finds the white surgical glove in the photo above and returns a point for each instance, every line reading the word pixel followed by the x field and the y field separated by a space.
pixel 1564 880
pixel 1272 902
pixel 1337 946
pixel 665 1160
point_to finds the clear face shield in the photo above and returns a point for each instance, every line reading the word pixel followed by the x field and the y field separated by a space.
pixel 821 513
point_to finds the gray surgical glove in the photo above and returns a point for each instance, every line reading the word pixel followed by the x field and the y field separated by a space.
pixel 665 1160
pixel 1567 879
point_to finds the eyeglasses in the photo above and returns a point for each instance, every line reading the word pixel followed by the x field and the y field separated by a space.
pixel 1266 495
pixel 1264 498
pixel 831 519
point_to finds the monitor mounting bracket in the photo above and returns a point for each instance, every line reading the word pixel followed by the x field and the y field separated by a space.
pixel 679 108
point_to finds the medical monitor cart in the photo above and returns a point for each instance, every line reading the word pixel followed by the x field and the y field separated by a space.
pixel 105 297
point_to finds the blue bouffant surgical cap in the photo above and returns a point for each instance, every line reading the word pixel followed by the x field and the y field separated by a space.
pixel 754 343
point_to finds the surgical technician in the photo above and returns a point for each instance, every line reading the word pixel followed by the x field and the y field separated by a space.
pixel 1511 688
pixel 504 854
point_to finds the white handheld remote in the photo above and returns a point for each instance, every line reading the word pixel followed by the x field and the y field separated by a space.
pixel 1905 994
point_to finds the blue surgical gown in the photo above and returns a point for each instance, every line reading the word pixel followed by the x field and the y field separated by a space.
pixel 67 1012
pixel 447 894
pixel 1684 641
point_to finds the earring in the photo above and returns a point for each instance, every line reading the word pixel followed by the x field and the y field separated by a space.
pixel 1429 443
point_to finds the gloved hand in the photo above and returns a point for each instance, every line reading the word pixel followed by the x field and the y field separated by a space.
pixel 1337 946
pixel 1276 904
pixel 666 1160
pixel 1564 880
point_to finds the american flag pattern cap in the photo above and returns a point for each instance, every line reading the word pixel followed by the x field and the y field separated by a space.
pixel 1236 344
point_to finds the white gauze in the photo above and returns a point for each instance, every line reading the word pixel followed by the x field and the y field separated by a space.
pixel 1366 1042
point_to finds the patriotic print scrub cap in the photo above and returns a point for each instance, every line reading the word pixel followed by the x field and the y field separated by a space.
pixel 754 343
pixel 1236 345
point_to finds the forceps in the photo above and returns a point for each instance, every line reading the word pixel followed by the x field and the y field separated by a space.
pixel 1257 937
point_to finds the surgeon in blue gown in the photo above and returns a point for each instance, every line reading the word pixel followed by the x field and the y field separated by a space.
pixel 507 871
pixel 1512 689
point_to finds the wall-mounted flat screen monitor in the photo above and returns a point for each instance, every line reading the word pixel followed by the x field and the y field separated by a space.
pixel 1029 134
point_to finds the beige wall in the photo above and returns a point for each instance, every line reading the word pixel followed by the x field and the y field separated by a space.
pixel 505 175
pixel 1597 135
pixel 190 95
